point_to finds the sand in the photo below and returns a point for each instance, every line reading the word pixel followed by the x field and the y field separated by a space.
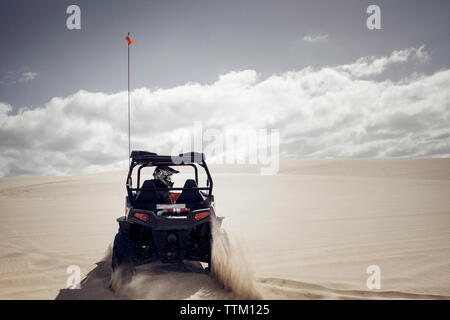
pixel 309 232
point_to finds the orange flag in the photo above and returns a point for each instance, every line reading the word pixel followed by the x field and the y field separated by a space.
pixel 130 41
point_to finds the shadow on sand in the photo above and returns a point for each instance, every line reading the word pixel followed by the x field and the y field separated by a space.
pixel 153 281
pixel 96 285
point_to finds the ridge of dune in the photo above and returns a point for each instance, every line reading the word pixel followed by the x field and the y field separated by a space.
pixel 289 289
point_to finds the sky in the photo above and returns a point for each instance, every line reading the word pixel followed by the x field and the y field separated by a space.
pixel 310 69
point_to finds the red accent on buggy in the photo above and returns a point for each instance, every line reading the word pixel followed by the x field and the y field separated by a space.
pixel 174 196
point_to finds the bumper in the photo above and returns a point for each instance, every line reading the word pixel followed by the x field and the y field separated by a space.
pixel 171 239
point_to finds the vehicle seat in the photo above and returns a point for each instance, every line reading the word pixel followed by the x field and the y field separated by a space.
pixel 188 196
pixel 148 196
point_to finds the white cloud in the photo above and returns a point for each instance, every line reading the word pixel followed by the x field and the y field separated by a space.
pixel 27 76
pixel 315 38
pixel 20 75
pixel 372 66
pixel 422 55
pixel 328 112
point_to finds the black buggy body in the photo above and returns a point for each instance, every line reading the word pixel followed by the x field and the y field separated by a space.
pixel 153 229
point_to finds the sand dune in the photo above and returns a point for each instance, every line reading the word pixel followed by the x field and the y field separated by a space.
pixel 309 232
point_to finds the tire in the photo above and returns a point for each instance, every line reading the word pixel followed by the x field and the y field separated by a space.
pixel 209 260
pixel 209 239
pixel 122 251
pixel 222 237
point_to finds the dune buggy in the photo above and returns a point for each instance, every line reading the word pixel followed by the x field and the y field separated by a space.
pixel 168 232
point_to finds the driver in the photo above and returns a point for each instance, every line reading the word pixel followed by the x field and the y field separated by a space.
pixel 162 177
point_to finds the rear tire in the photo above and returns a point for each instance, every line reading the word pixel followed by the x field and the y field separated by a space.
pixel 209 267
pixel 123 251
pixel 210 247
pixel 221 237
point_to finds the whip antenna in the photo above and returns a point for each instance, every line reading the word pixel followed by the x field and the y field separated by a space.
pixel 130 41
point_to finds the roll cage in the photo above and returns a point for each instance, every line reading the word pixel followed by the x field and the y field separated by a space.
pixel 142 159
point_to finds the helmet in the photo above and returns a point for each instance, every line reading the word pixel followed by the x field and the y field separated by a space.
pixel 164 174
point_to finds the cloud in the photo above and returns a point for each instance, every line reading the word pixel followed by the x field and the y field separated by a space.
pixel 372 66
pixel 27 76
pixel 327 112
pixel 21 75
pixel 316 38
